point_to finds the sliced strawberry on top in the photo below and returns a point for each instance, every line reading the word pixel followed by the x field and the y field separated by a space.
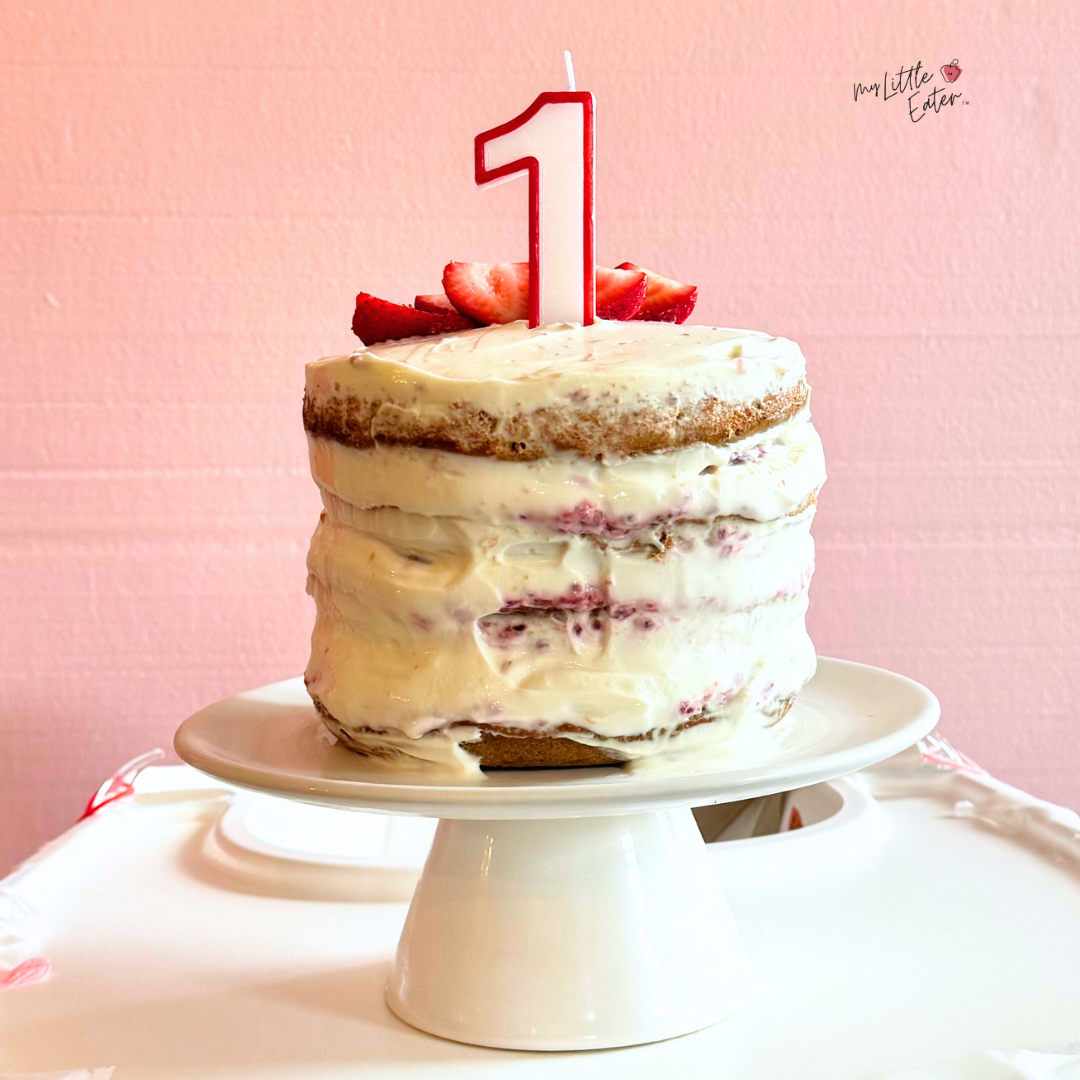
pixel 666 300
pixel 619 293
pixel 488 292
pixel 379 320
pixel 435 304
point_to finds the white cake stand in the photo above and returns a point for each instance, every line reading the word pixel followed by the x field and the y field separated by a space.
pixel 563 909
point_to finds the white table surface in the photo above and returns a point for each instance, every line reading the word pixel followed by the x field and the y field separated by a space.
pixel 944 938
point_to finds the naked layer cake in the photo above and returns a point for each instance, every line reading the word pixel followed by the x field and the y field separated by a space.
pixel 560 546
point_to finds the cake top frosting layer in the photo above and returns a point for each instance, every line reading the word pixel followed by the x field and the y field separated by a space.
pixel 512 368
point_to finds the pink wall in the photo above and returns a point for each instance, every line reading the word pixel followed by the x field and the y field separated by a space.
pixel 192 193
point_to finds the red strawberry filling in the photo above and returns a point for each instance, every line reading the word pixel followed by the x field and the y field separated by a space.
pixel 578 597
pixel 587 519
pixel 537 630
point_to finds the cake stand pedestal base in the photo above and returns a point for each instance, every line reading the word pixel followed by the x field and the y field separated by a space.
pixel 521 930
pixel 563 909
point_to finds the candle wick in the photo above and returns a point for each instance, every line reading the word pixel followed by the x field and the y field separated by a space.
pixel 569 70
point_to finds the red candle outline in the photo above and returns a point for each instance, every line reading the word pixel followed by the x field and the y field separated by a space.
pixel 530 165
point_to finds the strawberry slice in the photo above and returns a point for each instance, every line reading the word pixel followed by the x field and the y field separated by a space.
pixel 491 293
pixel 488 293
pixel 435 303
pixel 379 320
pixel 619 293
pixel 666 300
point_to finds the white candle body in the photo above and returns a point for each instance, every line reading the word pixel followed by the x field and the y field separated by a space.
pixel 558 138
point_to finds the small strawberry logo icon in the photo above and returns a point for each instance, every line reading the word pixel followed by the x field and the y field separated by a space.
pixel 950 72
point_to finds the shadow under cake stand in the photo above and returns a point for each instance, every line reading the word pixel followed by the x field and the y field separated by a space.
pixel 563 909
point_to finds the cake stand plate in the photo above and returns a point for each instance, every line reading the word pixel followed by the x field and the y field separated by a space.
pixel 563 909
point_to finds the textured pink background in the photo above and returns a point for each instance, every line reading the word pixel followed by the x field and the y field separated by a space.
pixel 194 192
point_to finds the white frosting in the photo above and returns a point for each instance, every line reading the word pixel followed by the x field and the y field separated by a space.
pixel 625 676
pixel 624 595
pixel 763 477
pixel 741 727
pixel 512 369
pixel 430 576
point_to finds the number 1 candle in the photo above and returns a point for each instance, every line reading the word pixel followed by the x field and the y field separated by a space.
pixel 551 141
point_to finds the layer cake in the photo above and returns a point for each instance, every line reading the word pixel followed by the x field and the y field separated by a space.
pixel 561 546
